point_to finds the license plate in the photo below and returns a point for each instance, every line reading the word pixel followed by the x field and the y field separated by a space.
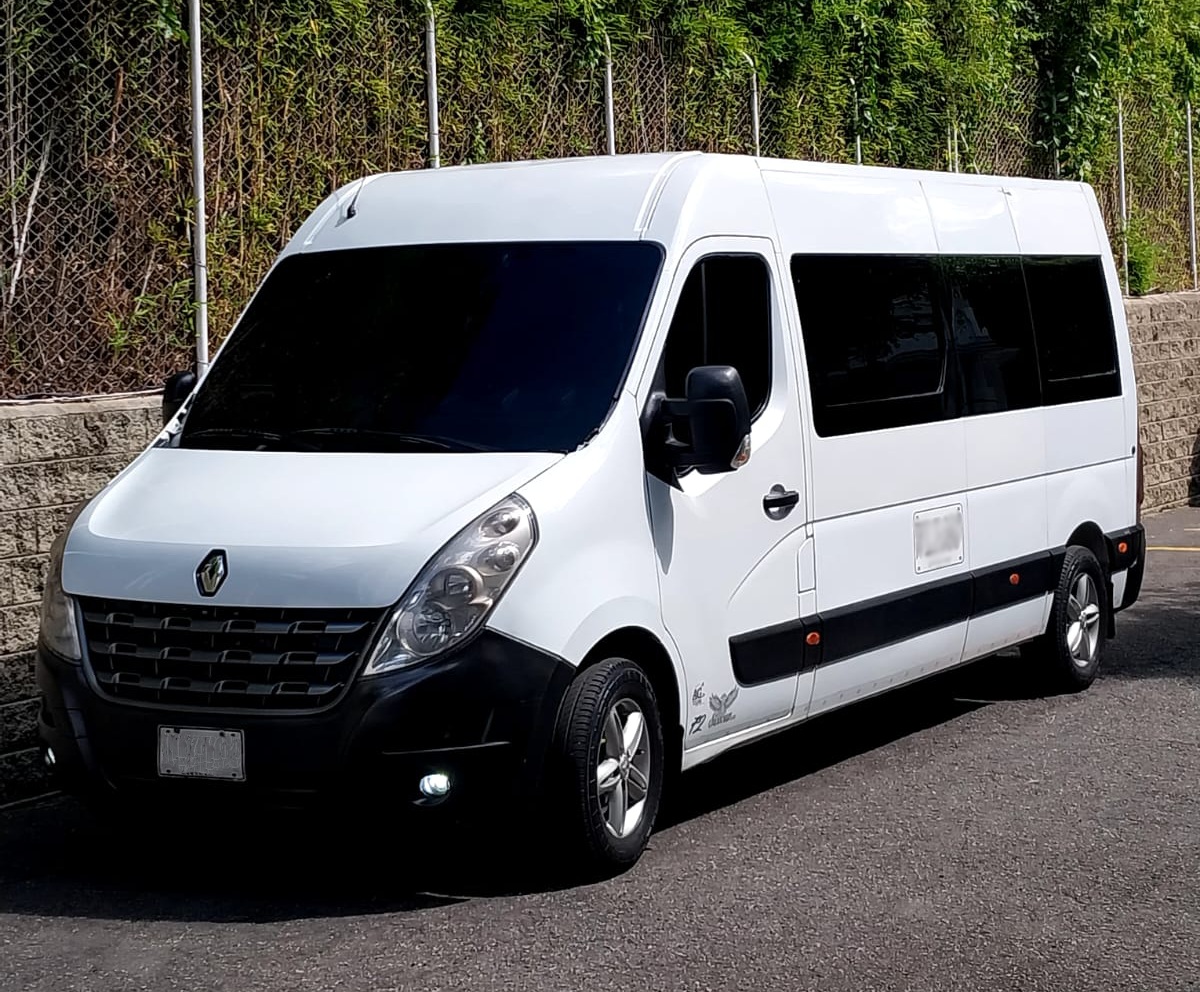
pixel 185 752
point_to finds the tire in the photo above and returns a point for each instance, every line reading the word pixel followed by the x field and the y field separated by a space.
pixel 1069 654
pixel 597 775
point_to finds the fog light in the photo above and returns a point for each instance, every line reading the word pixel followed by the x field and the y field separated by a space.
pixel 49 758
pixel 435 786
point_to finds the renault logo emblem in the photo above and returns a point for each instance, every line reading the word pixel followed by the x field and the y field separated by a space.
pixel 211 573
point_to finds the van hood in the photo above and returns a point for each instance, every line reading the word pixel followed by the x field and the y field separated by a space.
pixel 322 529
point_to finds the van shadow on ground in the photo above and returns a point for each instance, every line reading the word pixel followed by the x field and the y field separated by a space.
pixel 55 860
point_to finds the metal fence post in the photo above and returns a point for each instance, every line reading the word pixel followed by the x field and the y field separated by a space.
pixel 1192 198
pixel 431 86
pixel 857 133
pixel 754 120
pixel 199 231
pixel 1121 191
pixel 1054 115
pixel 609 116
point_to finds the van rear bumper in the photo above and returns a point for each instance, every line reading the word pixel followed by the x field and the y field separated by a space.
pixel 484 716
pixel 1132 561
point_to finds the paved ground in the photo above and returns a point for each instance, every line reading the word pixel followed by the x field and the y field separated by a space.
pixel 957 836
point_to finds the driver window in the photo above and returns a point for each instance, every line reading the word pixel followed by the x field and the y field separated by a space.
pixel 723 317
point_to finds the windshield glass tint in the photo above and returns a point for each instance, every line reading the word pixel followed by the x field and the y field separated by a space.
pixel 497 347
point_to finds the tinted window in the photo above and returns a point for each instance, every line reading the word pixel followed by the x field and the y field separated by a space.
pixel 723 317
pixel 875 340
pixel 517 347
pixel 1073 323
pixel 993 335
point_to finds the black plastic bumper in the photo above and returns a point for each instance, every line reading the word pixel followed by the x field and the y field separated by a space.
pixel 484 715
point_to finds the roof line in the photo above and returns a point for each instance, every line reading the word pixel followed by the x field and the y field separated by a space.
pixel 655 191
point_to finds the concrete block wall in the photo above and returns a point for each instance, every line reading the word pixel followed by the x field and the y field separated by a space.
pixel 1165 334
pixel 54 454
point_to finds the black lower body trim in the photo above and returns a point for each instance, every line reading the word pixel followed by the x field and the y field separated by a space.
pixel 1015 581
pixel 784 650
pixel 886 620
pixel 771 654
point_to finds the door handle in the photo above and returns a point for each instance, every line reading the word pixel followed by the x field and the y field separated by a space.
pixel 779 502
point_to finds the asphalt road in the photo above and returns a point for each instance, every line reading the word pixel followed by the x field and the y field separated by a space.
pixel 959 835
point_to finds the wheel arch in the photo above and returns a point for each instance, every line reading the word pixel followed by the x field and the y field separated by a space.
pixel 645 649
pixel 1089 535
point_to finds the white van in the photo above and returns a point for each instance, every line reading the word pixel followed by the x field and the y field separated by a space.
pixel 551 478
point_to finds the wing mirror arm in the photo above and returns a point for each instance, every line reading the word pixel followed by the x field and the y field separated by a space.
pixel 176 390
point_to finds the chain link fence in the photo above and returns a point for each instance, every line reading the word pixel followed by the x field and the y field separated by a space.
pixel 1001 139
pixel 1157 218
pixel 299 96
pixel 94 155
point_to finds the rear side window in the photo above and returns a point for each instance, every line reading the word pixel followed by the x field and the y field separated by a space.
pixel 875 340
pixel 993 335
pixel 1073 322
pixel 723 317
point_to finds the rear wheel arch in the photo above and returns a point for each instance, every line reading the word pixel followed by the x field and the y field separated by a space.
pixel 1089 535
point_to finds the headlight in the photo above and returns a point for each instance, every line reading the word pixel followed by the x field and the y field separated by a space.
pixel 452 595
pixel 59 632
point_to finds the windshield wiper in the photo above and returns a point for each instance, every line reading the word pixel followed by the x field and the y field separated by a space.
pixel 244 433
pixel 399 439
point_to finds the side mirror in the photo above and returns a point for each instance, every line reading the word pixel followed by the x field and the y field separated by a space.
pixel 176 389
pixel 717 415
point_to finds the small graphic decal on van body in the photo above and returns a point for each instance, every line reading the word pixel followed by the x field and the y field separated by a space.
pixel 722 707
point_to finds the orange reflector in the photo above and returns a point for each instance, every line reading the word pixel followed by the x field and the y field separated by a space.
pixel 1122 547
pixel 813 639
pixel 1014 579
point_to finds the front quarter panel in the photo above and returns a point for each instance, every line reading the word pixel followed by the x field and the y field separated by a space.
pixel 593 570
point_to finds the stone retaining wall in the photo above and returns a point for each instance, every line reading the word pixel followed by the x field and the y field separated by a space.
pixel 54 454
pixel 51 456
pixel 1165 333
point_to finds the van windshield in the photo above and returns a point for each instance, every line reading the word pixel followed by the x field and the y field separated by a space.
pixel 475 347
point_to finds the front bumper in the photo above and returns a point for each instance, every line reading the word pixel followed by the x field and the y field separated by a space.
pixel 484 715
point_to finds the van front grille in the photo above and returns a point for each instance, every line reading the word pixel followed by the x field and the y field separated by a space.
pixel 224 657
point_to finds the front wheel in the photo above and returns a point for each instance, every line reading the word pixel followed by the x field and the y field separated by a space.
pixel 609 746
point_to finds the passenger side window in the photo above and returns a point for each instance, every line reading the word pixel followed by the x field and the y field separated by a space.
pixel 875 340
pixel 1074 326
pixel 993 335
pixel 723 317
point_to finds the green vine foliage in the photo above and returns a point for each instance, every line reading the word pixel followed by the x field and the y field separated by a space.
pixel 1144 257
pixel 303 95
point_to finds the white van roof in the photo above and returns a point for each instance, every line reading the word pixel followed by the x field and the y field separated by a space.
pixel 661 197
